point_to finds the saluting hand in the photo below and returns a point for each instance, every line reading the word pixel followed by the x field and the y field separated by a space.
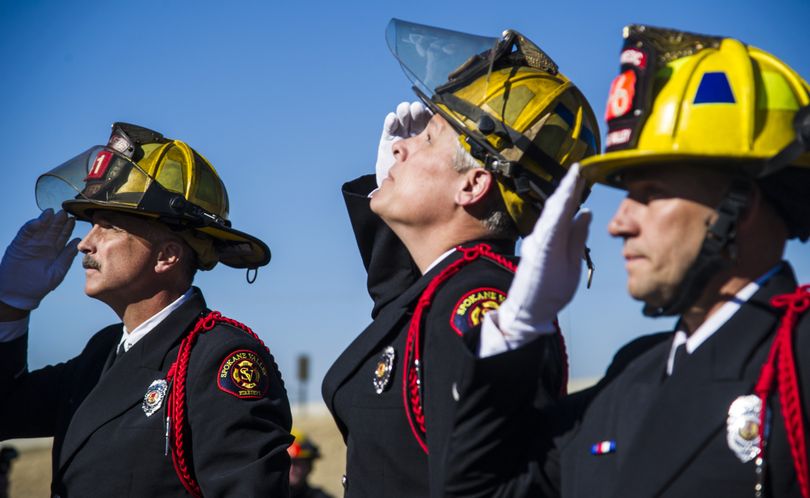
pixel 37 259
pixel 550 263
pixel 409 120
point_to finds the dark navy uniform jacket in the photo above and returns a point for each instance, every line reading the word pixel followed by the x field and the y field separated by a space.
pixel 105 445
pixel 384 458
pixel 669 433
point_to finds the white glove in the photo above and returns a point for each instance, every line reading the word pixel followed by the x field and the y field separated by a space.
pixel 409 120
pixel 548 273
pixel 37 259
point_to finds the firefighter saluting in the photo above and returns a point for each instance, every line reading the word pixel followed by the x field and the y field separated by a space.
pixel 176 399
pixel 710 138
pixel 437 238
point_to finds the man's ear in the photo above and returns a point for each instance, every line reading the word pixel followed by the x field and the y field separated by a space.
pixel 475 184
pixel 168 256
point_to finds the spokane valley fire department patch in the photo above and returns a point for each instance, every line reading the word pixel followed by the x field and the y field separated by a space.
pixel 244 375
pixel 469 312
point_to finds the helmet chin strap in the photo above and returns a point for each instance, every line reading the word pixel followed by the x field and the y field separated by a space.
pixel 718 252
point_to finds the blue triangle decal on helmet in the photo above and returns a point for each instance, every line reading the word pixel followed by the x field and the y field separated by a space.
pixel 714 89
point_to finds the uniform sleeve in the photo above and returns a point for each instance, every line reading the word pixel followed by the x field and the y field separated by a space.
pixel 239 417
pixel 14 329
pixel 386 260
pixel 34 402
pixel 503 443
pixel 480 413
pixel 16 388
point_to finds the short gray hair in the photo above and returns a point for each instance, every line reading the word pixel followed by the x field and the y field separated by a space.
pixel 495 218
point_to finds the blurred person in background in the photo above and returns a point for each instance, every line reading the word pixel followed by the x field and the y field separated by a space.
pixel 303 454
pixel 7 455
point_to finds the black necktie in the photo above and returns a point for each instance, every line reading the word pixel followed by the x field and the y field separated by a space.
pixel 680 357
pixel 117 354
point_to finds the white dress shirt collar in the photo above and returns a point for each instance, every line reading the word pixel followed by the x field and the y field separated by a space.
pixel 438 260
pixel 129 339
pixel 717 319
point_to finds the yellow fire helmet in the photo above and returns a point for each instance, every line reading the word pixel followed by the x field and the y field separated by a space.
pixel 141 172
pixel 684 97
pixel 513 110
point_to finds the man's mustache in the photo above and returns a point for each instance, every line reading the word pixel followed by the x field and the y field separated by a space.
pixel 89 263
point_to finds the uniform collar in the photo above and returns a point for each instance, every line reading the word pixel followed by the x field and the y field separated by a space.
pixel 687 409
pixel 717 319
pixel 498 246
pixel 439 259
pixel 129 339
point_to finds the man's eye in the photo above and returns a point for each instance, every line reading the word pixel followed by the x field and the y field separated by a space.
pixel 110 227
pixel 654 195
pixel 647 195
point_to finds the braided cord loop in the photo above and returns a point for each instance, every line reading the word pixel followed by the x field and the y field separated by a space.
pixel 779 372
pixel 412 364
pixel 176 402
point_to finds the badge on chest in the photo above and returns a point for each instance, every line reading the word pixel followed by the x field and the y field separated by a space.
pixel 384 370
pixel 743 430
pixel 153 399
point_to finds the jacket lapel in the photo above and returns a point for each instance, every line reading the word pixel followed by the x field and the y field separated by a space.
pixel 688 408
pixel 638 396
pixel 389 320
pixel 124 383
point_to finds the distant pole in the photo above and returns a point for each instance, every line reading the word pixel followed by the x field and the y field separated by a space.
pixel 303 377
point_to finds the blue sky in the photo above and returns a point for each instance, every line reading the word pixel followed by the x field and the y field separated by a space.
pixel 286 99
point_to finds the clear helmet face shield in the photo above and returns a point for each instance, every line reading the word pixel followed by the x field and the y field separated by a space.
pixel 100 175
pixel 515 112
pixel 431 57
pixel 496 92
pixel 450 72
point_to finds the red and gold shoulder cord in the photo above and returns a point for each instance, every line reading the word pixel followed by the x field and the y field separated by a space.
pixel 412 364
pixel 176 418
pixel 779 373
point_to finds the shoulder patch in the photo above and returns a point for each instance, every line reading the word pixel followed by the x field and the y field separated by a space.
pixel 469 311
pixel 243 374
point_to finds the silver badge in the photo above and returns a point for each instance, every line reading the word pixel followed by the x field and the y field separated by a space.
pixel 743 428
pixel 382 373
pixel 153 399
